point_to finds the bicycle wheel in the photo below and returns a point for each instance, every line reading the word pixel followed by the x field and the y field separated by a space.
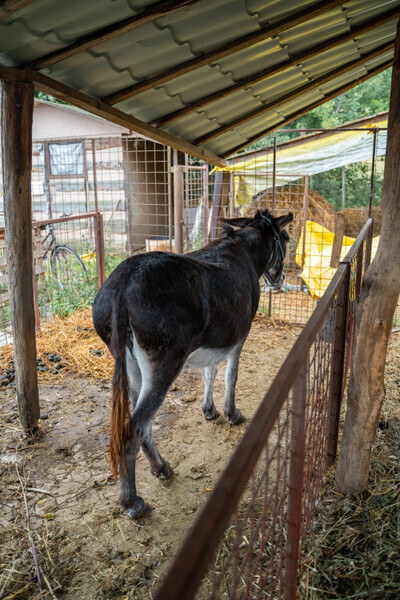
pixel 67 266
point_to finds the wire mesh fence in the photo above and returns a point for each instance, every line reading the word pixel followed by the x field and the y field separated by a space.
pixel 248 540
pixel 146 206
pixel 68 268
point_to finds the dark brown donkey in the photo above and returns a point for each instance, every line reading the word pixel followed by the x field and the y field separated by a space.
pixel 159 312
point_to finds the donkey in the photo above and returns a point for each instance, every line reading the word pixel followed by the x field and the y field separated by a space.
pixel 159 312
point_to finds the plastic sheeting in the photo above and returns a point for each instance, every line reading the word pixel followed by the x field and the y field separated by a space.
pixel 317 272
pixel 318 155
pixel 66 158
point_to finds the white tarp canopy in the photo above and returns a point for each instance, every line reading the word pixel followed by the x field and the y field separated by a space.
pixel 254 173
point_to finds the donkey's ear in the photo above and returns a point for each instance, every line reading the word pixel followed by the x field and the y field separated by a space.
pixel 284 220
pixel 237 223
pixel 227 229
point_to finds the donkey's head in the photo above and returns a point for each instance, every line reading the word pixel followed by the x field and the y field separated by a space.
pixel 275 237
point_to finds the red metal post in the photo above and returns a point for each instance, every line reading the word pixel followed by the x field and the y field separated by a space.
pixel 296 480
pixel 99 244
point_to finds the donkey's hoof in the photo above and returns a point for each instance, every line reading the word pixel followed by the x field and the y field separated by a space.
pixel 210 414
pixel 138 508
pixel 236 418
pixel 165 472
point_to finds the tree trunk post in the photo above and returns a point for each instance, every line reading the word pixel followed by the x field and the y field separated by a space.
pixel 378 300
pixel 16 128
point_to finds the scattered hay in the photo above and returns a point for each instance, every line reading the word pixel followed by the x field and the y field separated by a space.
pixel 74 339
pixel 353 548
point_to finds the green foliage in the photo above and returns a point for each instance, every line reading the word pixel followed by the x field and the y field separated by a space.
pixel 366 99
pixel 357 183
pixel 42 96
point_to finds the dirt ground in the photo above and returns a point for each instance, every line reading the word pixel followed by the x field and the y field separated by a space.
pixel 59 504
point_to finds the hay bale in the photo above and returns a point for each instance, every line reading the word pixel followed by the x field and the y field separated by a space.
pixel 292 199
pixel 356 218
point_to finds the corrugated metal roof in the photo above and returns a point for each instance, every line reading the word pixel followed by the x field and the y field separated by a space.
pixel 216 73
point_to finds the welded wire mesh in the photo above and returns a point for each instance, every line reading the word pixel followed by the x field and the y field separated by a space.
pixel 129 180
pixel 65 270
pixel 251 559
pixel 195 207
pixel 259 551
pixel 251 555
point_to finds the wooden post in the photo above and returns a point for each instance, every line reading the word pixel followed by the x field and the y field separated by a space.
pixel 16 128
pixel 178 171
pixel 340 226
pixel 220 199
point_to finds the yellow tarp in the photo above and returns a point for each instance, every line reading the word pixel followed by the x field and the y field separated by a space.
pixel 317 272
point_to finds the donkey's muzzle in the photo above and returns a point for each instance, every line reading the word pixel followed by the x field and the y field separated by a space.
pixel 274 286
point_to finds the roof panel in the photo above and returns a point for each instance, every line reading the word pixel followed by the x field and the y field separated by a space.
pixel 202 58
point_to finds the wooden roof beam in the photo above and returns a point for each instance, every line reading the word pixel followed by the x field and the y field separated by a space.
pixel 9 7
pixel 303 111
pixel 298 91
pixel 239 44
pixel 153 12
pixel 275 69
pixel 99 108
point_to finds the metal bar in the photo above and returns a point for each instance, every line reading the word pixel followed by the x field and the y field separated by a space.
pixel 60 220
pixel 368 246
pixel 96 198
pixel 296 476
pixel 99 245
pixel 47 173
pixel 205 194
pixel 338 366
pixel 305 208
pixel 178 172
pixel 273 208
pixel 371 194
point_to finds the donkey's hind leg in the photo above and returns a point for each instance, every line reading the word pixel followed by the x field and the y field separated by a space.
pixel 208 406
pixel 155 384
pixel 232 414
pixel 158 466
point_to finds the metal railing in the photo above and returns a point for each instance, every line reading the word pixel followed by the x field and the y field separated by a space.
pixel 248 539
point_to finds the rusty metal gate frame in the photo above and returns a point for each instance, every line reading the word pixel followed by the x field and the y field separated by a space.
pixel 310 384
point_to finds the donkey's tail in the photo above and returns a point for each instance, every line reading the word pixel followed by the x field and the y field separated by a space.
pixel 120 401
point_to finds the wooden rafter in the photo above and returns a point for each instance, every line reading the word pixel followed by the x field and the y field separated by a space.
pixel 307 109
pixel 278 68
pixel 239 44
pixel 99 108
pixel 298 91
pixel 153 12
pixel 8 7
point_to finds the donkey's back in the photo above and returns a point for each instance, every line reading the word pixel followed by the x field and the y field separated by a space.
pixel 168 300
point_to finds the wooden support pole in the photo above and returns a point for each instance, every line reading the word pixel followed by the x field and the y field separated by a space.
pixel 178 171
pixel 16 128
